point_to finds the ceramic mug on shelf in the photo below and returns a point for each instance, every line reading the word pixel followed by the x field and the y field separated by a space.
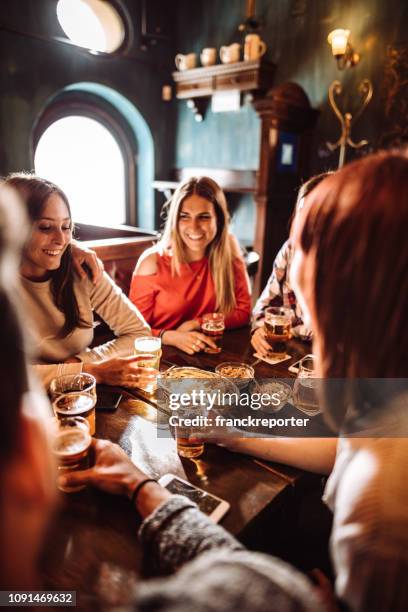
pixel 208 56
pixel 254 47
pixel 185 62
pixel 230 54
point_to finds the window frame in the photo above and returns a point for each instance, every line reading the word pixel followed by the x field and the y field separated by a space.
pixel 88 105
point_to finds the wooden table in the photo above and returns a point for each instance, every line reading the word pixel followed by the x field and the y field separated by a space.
pixel 93 543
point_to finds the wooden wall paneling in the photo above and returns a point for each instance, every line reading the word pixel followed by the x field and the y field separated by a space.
pixel 119 256
pixel 285 112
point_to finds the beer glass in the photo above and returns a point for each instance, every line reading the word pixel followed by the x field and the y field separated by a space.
pixel 277 329
pixel 213 325
pixel 76 404
pixel 70 446
pixel 148 361
pixel 149 345
pixel 188 447
pixel 72 382
pixel 305 388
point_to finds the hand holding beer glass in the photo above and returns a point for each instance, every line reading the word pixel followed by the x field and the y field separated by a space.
pixel 76 404
pixel 148 351
pixel 71 444
pixel 278 321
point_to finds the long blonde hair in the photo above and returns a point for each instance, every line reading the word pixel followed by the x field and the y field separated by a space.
pixel 219 251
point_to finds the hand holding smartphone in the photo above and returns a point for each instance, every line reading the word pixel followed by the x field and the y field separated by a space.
pixel 214 507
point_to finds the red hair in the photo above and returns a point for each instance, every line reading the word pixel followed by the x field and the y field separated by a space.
pixel 354 231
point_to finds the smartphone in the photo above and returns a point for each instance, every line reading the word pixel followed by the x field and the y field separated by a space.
pixel 214 507
pixel 107 399
pixel 294 368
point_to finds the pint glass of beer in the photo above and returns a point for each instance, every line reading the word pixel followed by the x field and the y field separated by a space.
pixel 189 447
pixel 213 325
pixel 277 329
pixel 71 444
pixel 148 361
pixel 72 382
pixel 149 345
pixel 76 404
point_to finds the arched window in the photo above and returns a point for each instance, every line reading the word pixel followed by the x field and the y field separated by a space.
pixel 82 156
pixel 93 142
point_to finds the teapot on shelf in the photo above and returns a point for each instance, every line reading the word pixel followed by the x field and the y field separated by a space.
pixel 230 54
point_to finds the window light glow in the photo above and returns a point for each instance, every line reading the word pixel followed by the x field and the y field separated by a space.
pixel 82 157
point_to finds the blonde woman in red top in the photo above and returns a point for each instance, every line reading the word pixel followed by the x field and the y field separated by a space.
pixel 196 268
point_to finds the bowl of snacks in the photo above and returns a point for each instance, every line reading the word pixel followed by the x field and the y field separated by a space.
pixel 241 374
pixel 196 385
pixel 186 372
pixel 280 393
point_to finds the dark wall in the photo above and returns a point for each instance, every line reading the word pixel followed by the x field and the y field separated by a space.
pixel 33 68
pixel 295 32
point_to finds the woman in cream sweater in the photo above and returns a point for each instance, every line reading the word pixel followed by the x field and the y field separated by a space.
pixel 62 305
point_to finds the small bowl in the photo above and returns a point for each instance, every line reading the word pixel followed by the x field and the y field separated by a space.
pixel 272 387
pixel 240 373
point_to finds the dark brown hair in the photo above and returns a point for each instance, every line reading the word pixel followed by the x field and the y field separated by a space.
pixel 34 192
pixel 353 230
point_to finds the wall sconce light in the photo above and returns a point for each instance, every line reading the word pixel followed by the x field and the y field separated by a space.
pixel 342 49
pixel 346 58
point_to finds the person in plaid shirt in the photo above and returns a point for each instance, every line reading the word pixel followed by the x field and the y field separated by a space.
pixel 278 291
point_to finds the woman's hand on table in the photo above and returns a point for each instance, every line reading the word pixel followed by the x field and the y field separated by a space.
pixel 188 341
pixel 259 342
pixel 121 372
pixel 113 472
pixel 82 256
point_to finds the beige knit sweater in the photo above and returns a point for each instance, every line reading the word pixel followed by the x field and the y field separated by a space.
pixel 105 299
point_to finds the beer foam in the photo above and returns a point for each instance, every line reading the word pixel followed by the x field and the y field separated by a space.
pixel 73 405
pixel 71 442
pixel 148 345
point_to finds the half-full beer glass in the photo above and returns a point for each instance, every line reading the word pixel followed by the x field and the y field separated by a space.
pixel 213 325
pixel 71 444
pixel 277 329
pixel 75 404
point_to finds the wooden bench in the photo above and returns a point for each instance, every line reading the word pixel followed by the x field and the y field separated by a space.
pixel 119 256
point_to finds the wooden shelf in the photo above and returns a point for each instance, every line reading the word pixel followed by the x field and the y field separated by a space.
pixel 256 75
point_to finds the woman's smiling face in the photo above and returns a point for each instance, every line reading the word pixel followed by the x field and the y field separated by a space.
pixel 197 225
pixel 51 234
